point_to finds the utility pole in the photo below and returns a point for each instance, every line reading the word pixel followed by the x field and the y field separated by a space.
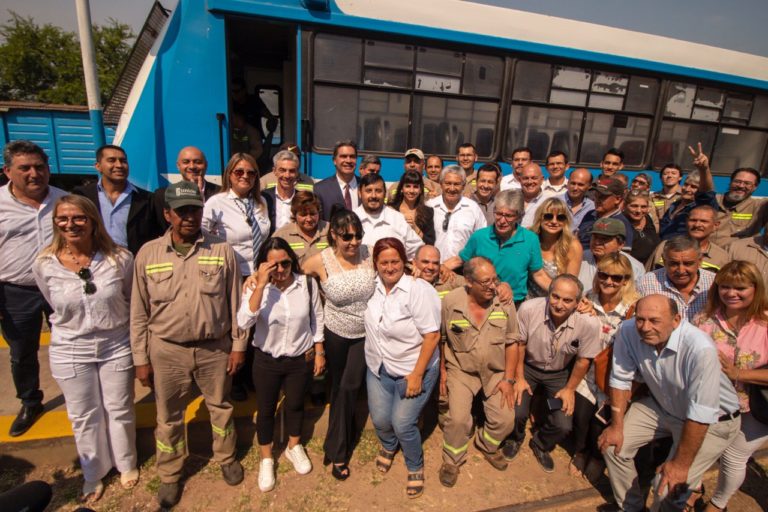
pixel 89 67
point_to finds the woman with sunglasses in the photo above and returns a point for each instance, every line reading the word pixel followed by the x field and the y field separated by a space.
pixel 307 234
pixel 736 318
pixel 86 278
pixel 402 326
pixel 285 311
pixel 346 274
pixel 637 208
pixel 561 252
pixel 612 300
pixel 409 200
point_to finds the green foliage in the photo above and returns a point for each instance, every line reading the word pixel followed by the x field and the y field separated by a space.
pixel 43 63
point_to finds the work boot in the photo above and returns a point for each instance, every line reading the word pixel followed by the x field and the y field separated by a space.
pixel 232 472
pixel 169 495
pixel 448 474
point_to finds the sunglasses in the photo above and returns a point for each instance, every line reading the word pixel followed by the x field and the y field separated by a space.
pixel 347 237
pixel 247 172
pixel 284 263
pixel 89 287
pixel 561 217
pixel 77 220
pixel 616 278
pixel 447 220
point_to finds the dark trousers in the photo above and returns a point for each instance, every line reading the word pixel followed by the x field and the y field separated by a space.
pixel 269 375
pixel 557 425
pixel 345 359
pixel 32 496
pixel 586 428
pixel 22 309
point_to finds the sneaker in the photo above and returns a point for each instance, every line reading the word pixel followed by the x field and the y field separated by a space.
pixel 267 475
pixel 510 449
pixel 232 472
pixel 168 495
pixel 299 459
pixel 544 458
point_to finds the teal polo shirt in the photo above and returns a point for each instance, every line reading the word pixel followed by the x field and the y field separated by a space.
pixel 514 260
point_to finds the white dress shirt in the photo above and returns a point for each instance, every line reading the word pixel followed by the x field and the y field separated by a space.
pixel 395 325
pixel 283 323
pixel 282 210
pixel 465 219
pixel 352 191
pixel 24 232
pixel 509 182
pixel 389 222
pixel 87 328
pixel 225 218
pixel 530 210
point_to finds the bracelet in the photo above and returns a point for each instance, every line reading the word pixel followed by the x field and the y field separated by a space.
pixel 320 353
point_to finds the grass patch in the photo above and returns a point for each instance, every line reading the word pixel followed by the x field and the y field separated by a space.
pixel 368 447
pixel 315 445
pixel 153 485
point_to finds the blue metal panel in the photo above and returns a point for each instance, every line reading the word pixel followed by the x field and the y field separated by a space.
pixel 35 126
pixel 3 134
pixel 76 147
pixel 186 87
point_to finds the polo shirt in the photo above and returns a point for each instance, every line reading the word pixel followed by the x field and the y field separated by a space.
pixel 514 260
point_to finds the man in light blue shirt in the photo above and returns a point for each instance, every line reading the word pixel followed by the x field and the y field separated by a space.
pixel 690 400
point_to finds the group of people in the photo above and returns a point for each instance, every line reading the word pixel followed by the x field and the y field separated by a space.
pixel 453 286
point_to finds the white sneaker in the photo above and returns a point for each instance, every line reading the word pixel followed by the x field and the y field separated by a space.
pixel 299 459
pixel 266 475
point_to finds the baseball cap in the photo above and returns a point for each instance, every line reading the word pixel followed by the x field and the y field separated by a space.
pixel 181 194
pixel 610 187
pixel 609 227
pixel 416 152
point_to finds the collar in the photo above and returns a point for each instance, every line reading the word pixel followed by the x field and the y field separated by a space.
pixel 463 202
pixel 698 288
pixel 516 237
pixel 568 324
pixel 404 284
pixel 277 195
pixel 352 183
pixel 675 338
pixel 168 240
pixel 129 188
pixel 476 199
pixel 621 308
pixel 382 217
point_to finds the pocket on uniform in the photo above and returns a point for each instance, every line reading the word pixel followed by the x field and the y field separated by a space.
pixel 63 371
pixel 212 280
pixel 160 286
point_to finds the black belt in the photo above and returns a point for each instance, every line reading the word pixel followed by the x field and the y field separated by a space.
pixel 729 416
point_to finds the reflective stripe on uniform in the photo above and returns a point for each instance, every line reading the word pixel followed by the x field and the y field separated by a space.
pixel 296 245
pixel 708 265
pixel 322 245
pixel 223 432
pixel 158 267
pixel 460 323
pixel 491 440
pixel 658 204
pixel 455 451
pixel 169 449
pixel 211 260
pixel 741 216
pixel 443 294
pixel 305 186
pixel 497 315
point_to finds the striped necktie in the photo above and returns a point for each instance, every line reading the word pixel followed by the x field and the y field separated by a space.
pixel 256 235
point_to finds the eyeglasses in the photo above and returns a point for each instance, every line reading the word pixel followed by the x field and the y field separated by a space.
pixel 446 220
pixel 284 263
pixel 506 216
pixel 347 237
pixel 248 172
pixel 77 220
pixel 89 287
pixel 489 283
pixel 616 278
pixel 561 217
pixel 744 183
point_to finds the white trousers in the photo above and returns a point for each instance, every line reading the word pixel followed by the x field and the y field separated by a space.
pixel 99 399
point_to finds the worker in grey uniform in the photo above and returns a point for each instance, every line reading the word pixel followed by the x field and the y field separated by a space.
pixel 478 355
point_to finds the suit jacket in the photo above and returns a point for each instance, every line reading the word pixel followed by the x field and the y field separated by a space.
pixel 211 189
pixel 270 198
pixel 142 223
pixel 329 193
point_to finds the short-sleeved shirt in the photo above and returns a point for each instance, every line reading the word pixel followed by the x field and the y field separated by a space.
pixel 388 223
pixel 713 258
pixel 300 245
pixel 658 282
pixel 478 350
pixel 745 218
pixel 661 202
pixel 514 260
pixel 754 250
pixel 680 377
pixel 463 220
pixel 552 348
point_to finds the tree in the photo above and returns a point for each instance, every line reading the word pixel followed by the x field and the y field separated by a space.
pixel 43 63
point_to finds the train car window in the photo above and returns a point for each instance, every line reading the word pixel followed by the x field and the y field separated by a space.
pixel 389 55
pixel 483 75
pixel 642 95
pixel 442 124
pixel 738 147
pixel 675 137
pixel 338 59
pixel 532 80
pixel 627 133
pixel 680 99
pixel 543 130
pixel 439 62
pixel 759 118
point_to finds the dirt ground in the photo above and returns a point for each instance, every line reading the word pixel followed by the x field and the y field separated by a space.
pixel 523 486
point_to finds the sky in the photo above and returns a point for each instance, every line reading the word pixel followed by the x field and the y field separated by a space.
pixel 734 24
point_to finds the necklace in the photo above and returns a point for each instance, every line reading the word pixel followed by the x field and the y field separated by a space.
pixel 248 220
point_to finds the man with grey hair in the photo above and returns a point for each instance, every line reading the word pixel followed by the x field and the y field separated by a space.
pixel 551 335
pixel 682 279
pixel 26 208
pixel 269 180
pixel 370 164
pixel 513 249
pixel 456 217
pixel 279 197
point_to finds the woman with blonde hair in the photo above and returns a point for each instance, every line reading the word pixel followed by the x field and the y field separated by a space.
pixel 612 300
pixel 86 278
pixel 561 252
pixel 736 318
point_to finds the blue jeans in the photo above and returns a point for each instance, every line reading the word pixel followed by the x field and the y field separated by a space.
pixel 395 418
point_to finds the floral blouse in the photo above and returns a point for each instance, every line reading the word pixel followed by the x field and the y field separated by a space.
pixel 747 349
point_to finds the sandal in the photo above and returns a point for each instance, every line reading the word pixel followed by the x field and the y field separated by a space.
pixel 129 479
pixel 384 460
pixel 92 492
pixel 340 471
pixel 415 487
pixel 695 500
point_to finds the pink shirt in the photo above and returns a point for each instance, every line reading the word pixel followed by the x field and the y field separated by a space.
pixel 747 349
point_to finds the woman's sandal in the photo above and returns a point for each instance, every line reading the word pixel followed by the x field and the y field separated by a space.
pixel 129 479
pixel 340 471
pixel 695 500
pixel 415 487
pixel 92 492
pixel 384 460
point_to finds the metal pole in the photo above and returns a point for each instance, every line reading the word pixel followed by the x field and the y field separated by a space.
pixel 89 67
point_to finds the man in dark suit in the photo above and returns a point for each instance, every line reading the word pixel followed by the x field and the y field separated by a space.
pixel 341 188
pixel 192 166
pixel 279 197
pixel 127 210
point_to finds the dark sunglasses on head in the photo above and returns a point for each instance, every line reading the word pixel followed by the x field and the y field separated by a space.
pixel 347 237
pixel 284 263
pixel 616 278
pixel 561 217
pixel 240 172
pixel 89 287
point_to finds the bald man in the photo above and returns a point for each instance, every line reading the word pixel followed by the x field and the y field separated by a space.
pixel 531 181
pixel 576 195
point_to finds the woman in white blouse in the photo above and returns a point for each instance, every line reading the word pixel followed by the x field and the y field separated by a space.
pixel 285 310
pixel 402 328
pixel 86 278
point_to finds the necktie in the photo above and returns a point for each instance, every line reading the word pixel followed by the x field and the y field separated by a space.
pixel 347 198
pixel 256 235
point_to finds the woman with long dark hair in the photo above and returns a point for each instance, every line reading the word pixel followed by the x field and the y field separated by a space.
pixel 409 200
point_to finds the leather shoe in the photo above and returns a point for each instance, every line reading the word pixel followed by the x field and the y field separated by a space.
pixel 448 475
pixel 232 472
pixel 27 416
pixel 510 449
pixel 544 458
pixel 168 495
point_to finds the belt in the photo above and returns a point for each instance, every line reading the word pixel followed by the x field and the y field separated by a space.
pixel 729 416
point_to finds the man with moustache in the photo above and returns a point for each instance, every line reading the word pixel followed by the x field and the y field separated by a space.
pixel 340 190
pixel 701 223
pixel 741 214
